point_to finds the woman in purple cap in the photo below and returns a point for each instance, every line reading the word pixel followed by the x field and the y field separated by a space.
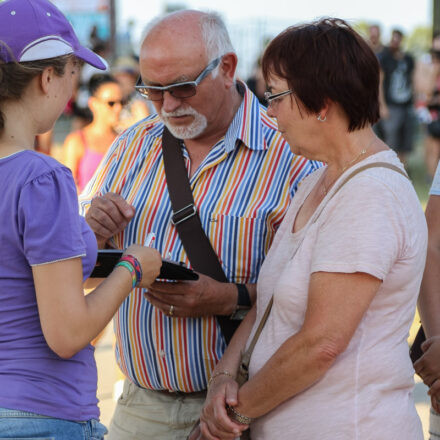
pixel 47 370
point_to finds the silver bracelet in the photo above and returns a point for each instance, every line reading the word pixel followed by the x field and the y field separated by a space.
pixel 240 418
pixel 220 373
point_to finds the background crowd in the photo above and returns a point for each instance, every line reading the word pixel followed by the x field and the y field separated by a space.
pixel 410 106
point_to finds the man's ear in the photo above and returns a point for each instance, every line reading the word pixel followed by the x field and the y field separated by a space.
pixel 228 66
pixel 46 79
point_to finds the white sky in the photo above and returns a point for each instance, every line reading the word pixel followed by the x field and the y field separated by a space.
pixel 389 13
pixel 251 20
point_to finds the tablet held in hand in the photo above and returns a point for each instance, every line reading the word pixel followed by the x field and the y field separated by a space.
pixel 170 270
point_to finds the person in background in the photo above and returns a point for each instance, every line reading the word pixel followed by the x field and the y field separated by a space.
pixel 427 85
pixel 84 149
pixel 345 267
pixel 375 43
pixel 48 375
pixel 126 72
pixel 242 176
pixel 396 106
pixel 374 40
pixel 428 365
pixel 256 82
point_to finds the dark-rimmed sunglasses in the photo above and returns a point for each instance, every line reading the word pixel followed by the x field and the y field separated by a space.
pixel 112 103
pixel 180 90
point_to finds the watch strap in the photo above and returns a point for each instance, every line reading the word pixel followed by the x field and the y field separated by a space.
pixel 243 299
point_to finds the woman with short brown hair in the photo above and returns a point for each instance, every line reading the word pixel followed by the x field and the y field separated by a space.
pixel 344 269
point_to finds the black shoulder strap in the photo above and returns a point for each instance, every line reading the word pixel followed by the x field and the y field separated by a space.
pixel 187 221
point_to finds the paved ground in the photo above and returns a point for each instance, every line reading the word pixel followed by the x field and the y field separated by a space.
pixel 107 376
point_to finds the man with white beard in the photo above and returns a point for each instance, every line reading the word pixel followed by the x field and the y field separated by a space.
pixel 242 176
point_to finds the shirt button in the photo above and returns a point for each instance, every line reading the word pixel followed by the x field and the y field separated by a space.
pixel 162 353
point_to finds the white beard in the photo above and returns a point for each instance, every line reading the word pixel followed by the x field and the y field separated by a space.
pixel 191 131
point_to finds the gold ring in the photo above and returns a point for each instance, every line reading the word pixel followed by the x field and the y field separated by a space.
pixel 171 311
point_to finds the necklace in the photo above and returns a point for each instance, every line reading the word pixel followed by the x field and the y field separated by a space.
pixel 326 188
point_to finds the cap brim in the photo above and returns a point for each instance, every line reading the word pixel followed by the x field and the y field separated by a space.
pixel 91 58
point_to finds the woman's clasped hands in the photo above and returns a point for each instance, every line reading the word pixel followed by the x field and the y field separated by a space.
pixel 215 423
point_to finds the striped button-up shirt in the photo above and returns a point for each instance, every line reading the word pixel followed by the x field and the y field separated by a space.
pixel 241 190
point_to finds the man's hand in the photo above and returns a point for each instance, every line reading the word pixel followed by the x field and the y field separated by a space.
pixel 204 297
pixel 428 366
pixel 108 215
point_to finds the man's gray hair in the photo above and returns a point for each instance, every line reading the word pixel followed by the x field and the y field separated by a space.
pixel 215 35
pixel 214 32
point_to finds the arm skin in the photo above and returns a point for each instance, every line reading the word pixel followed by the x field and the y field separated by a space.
pixel 428 366
pixel 109 214
pixel 69 319
pixel 384 113
pixel 337 302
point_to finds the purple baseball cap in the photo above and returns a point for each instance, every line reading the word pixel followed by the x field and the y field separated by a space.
pixel 37 30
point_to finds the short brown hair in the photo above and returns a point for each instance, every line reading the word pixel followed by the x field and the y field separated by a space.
pixel 327 59
pixel 15 77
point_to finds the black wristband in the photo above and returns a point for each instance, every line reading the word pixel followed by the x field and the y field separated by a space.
pixel 243 300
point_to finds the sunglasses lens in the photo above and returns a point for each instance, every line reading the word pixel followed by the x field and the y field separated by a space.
pixel 179 91
pixel 113 103
pixel 183 91
pixel 154 95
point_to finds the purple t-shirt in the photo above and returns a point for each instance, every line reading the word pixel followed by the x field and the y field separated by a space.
pixel 40 224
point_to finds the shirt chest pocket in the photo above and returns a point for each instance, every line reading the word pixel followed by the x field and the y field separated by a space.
pixel 241 244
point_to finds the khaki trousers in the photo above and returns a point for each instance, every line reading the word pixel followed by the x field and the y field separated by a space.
pixel 434 425
pixel 143 414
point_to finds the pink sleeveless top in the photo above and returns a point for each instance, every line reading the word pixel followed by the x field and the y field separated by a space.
pixel 88 163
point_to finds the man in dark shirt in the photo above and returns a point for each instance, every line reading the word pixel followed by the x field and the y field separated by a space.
pixel 397 96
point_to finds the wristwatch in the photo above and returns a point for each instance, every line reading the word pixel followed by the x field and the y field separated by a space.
pixel 243 303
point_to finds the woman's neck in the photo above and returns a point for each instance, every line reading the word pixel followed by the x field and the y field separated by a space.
pixel 19 131
pixel 347 152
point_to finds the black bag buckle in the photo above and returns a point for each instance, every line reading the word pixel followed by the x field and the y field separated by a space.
pixel 183 214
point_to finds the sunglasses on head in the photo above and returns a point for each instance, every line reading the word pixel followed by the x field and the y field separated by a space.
pixel 179 90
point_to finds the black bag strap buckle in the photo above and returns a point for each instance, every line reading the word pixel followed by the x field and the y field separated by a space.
pixel 183 214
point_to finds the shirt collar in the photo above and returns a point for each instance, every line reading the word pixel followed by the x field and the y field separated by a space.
pixel 246 125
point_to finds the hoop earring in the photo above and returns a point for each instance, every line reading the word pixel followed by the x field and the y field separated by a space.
pixel 321 119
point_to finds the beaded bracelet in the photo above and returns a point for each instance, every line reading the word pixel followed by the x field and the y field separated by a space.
pixel 240 418
pixel 132 264
pixel 220 373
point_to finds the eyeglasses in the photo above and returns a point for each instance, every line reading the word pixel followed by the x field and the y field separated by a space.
pixel 178 90
pixel 271 98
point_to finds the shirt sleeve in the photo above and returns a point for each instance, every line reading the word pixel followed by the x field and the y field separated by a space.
pixel 48 218
pixel 361 230
pixel 435 188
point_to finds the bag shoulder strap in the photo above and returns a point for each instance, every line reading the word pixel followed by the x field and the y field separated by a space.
pixel 187 221
pixel 353 174
pixel 250 349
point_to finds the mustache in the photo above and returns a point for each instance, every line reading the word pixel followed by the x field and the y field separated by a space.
pixel 186 111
